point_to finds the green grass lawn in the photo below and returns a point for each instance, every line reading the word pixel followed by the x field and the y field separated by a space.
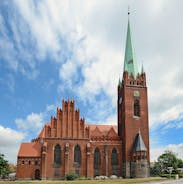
pixel 116 181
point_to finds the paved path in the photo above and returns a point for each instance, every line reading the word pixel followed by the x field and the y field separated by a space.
pixel 180 181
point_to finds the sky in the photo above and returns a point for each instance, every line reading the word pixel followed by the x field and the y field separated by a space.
pixel 52 50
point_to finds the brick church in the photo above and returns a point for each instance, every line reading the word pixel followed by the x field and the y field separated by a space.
pixel 67 144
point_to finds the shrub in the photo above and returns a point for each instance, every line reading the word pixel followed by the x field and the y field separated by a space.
pixel 181 175
pixel 168 175
pixel 71 176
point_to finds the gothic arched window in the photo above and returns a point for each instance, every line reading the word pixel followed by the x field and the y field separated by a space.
pixel 97 159
pixel 77 155
pixel 57 155
pixel 136 107
pixel 114 157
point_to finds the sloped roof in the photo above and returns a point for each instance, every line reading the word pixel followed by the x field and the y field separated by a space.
pixel 139 143
pixel 104 129
pixel 32 149
pixel 96 130
pixel 111 132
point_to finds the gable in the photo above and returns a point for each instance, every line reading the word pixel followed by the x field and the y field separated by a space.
pixel 96 132
pixel 112 133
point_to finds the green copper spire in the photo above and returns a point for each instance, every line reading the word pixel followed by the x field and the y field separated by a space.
pixel 130 64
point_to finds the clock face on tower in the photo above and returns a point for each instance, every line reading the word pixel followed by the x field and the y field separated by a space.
pixel 120 100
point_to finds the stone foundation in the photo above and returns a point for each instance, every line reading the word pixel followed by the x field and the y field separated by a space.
pixel 140 169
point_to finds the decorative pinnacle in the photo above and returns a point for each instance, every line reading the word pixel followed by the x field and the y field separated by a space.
pixel 142 69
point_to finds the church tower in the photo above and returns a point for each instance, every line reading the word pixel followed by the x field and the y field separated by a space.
pixel 133 125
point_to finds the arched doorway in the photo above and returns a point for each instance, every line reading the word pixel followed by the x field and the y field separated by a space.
pixel 37 174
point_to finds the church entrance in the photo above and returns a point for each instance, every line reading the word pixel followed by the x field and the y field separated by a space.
pixel 37 174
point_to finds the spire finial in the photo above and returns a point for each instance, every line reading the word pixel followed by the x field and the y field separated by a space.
pixel 128 11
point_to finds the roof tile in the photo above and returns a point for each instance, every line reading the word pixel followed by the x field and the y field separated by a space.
pixel 32 149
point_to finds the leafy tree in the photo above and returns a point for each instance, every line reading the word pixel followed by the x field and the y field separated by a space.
pixel 4 167
pixel 180 163
pixel 167 163
pixel 155 170
pixel 167 160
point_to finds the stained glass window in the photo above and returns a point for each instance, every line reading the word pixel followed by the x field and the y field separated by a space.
pixel 97 158
pixel 57 155
pixel 77 155
pixel 114 157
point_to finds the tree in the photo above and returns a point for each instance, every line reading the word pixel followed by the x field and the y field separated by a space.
pixel 168 160
pixel 155 170
pixel 180 163
pixel 4 167
pixel 167 163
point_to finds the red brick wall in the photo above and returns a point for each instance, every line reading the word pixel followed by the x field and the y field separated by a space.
pixel 86 169
pixel 26 170
pixel 128 125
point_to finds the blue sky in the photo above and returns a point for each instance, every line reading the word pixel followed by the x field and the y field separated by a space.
pixel 50 50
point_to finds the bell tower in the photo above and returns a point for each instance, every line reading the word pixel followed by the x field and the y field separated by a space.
pixel 133 126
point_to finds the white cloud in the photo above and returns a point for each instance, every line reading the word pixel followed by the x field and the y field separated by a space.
pixel 50 108
pixel 96 36
pixel 100 55
pixel 10 142
pixel 110 120
pixel 176 148
pixel 156 6
pixel 15 45
pixel 32 122
pixel 67 70
pixel 48 21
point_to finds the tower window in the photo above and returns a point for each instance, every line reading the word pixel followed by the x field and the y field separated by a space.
pixel 136 108
pixel 77 155
pixel 57 155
